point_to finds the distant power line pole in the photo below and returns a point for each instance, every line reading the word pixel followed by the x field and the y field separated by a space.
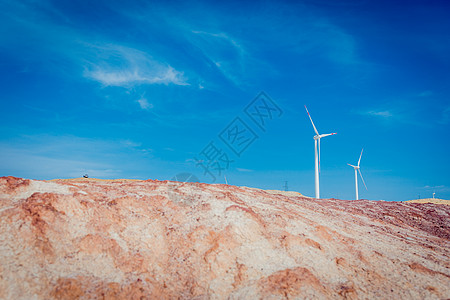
pixel 285 186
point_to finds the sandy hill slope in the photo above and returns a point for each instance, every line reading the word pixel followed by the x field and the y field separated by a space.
pixel 121 239
pixel 430 200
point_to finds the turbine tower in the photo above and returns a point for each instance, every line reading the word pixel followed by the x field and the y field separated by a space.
pixel 357 169
pixel 317 138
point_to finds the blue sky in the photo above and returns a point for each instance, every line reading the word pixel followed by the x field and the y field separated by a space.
pixel 141 89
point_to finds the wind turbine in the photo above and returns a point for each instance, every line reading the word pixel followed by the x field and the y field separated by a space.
pixel 357 169
pixel 317 138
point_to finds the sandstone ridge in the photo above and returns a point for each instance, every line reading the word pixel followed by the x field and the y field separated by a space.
pixel 132 239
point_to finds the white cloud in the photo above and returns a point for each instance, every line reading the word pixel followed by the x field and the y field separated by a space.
pixel 434 187
pixel 144 104
pixel 115 65
pixel 46 157
pixel 244 170
pixel 110 76
pixel 224 37
pixel 380 113
pixel 225 52
pixel 130 143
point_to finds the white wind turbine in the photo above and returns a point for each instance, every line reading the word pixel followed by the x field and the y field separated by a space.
pixel 317 138
pixel 357 169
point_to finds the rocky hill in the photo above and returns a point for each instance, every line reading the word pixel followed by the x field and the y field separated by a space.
pixel 122 239
pixel 430 200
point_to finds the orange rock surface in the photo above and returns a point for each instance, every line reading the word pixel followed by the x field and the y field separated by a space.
pixel 122 239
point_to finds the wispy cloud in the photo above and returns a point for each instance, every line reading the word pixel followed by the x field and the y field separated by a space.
pixel 223 51
pixel 244 170
pixel 102 61
pixel 223 36
pixel 130 143
pixel 434 187
pixel 243 53
pixel 437 189
pixel 239 53
pixel 421 109
pixel 386 114
pixel 144 104
pixel 116 65
pixel 46 156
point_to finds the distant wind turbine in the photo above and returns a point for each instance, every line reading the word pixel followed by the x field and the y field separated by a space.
pixel 317 138
pixel 357 169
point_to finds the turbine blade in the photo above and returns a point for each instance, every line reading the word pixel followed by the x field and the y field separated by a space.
pixel 328 134
pixel 359 170
pixel 312 121
pixel 360 157
pixel 351 165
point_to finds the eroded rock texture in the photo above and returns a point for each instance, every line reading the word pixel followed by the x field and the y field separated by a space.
pixel 122 239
